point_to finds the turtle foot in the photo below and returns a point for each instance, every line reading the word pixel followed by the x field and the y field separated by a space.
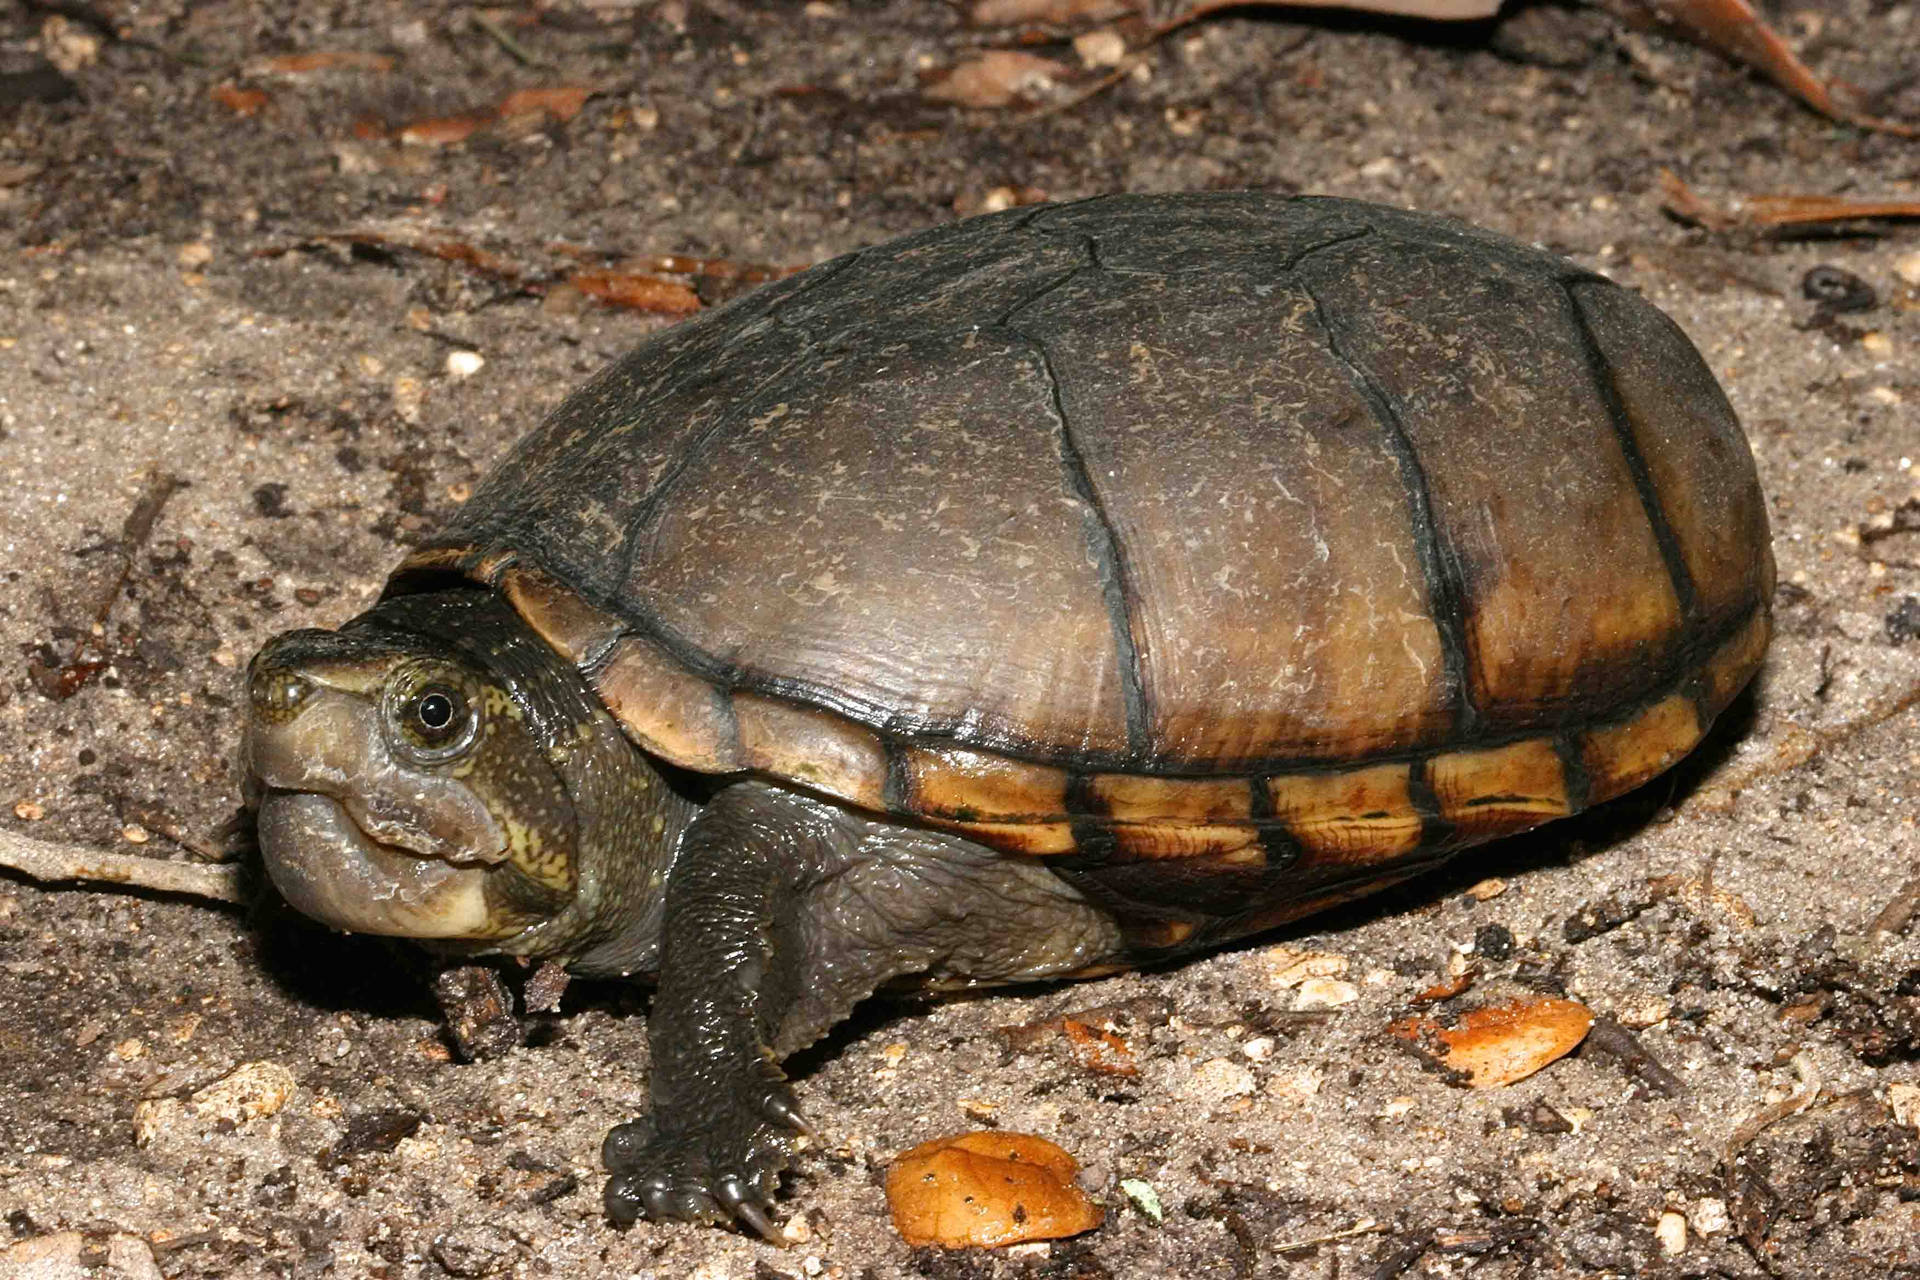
pixel 719 1164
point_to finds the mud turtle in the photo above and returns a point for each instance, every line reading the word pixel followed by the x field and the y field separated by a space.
pixel 1029 597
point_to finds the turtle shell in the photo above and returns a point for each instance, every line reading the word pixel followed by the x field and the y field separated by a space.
pixel 1226 527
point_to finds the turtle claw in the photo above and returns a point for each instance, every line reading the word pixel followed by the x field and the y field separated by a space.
pixel 718 1165
pixel 734 1199
pixel 780 1106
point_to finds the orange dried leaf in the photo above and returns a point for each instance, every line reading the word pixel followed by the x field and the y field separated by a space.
pixel 997 78
pixel 637 292
pixel 1097 1049
pixel 562 104
pixel 297 64
pixel 986 1189
pixel 242 102
pixel 1500 1044
pixel 443 131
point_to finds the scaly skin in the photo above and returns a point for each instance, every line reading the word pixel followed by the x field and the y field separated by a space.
pixel 540 831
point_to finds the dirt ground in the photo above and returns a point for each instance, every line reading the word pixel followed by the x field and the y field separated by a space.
pixel 213 270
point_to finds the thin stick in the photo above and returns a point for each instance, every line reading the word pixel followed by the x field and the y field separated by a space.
pixel 51 863
pixel 514 48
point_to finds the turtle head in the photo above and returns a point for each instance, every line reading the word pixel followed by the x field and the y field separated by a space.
pixel 413 770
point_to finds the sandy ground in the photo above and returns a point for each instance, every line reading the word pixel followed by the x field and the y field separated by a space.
pixel 176 299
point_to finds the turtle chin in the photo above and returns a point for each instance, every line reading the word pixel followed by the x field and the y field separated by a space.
pixel 330 869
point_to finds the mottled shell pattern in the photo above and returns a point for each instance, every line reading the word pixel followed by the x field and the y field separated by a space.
pixel 1229 527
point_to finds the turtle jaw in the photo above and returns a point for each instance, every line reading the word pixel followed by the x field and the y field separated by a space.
pixel 328 868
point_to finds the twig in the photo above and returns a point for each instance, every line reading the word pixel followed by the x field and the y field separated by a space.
pixel 514 49
pixel 67 679
pixel 1609 1037
pixel 52 863
pixel 1895 915
pixel 1364 1227
pixel 1799 747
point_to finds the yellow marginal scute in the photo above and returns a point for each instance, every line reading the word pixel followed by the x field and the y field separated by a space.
pixel 1483 794
pixel 1357 816
pixel 1734 663
pixel 1621 757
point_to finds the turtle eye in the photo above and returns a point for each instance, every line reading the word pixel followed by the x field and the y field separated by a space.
pixel 435 713
pixel 435 721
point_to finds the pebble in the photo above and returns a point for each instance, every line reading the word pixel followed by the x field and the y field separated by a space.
pixel 248 1092
pixel 28 811
pixel 1671 1231
pixel 1325 993
pixel 68 1255
pixel 464 364
pixel 1907 267
pixel 1218 1079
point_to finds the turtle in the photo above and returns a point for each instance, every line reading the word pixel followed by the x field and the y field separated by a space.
pixel 1039 595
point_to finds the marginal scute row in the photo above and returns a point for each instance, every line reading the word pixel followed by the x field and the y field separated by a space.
pixel 1371 815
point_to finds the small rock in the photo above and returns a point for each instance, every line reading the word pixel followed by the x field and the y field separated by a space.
pixel 1905 1101
pixel 248 1092
pixel 1218 1079
pixel 462 365
pixel 1325 993
pixel 1671 1232
pixel 1907 267
pixel 1292 966
pixel 475 1249
pixel 1709 1216
pixel 29 810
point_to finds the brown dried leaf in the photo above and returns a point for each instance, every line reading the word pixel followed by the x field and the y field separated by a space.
pixel 1014 13
pixel 998 78
pixel 1732 28
pixel 1775 211
pixel 1500 1044
pixel 443 131
pixel 562 104
pixel 637 292
pixel 1099 1050
pixel 299 64
pixel 986 1189
pixel 242 102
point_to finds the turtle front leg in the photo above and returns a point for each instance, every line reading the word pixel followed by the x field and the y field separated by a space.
pixel 782 913
pixel 722 1115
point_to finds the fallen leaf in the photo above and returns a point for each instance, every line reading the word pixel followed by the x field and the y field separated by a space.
pixel 562 104
pixel 300 64
pixel 986 1189
pixel 1775 210
pixel 637 292
pixel 1500 1044
pixel 998 78
pixel 443 131
pixel 242 102
pixel 1733 29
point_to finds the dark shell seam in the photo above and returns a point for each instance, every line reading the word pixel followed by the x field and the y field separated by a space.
pixel 1446 590
pixel 1601 371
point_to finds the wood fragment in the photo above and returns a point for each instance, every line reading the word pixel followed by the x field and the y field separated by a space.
pixel 1895 916
pixel 497 33
pixel 51 863
pixel 1610 1038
